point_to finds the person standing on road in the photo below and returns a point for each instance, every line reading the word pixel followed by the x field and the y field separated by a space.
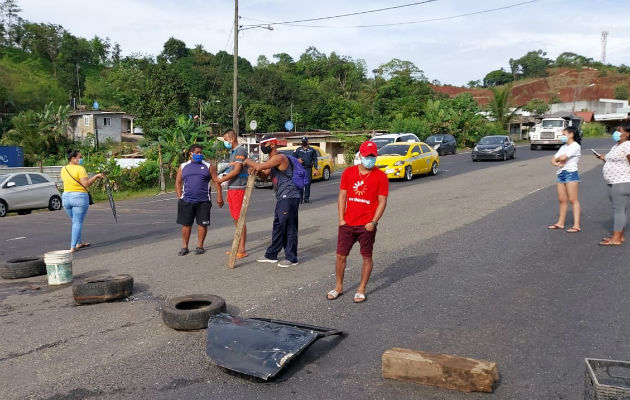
pixel 237 182
pixel 567 178
pixel 616 173
pixel 308 158
pixel 192 185
pixel 285 222
pixel 75 197
pixel 361 203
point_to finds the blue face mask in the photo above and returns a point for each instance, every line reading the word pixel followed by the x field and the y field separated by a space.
pixel 564 139
pixel 228 145
pixel 368 162
pixel 80 162
pixel 616 136
pixel 197 157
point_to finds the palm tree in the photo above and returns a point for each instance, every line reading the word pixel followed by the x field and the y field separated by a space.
pixel 500 105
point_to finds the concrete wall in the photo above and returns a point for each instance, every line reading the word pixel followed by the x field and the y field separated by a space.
pixel 81 129
pixel 112 132
pixel 599 107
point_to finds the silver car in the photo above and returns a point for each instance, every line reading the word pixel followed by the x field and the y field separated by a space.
pixel 24 192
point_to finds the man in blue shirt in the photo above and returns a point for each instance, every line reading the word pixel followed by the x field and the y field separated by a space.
pixel 308 158
pixel 192 185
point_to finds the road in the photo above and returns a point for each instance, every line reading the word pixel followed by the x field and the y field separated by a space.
pixel 464 265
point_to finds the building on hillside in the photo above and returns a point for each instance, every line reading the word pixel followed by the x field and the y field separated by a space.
pixel 610 112
pixel 102 124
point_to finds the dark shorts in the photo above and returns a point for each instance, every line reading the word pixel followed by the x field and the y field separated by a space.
pixel 348 235
pixel 188 212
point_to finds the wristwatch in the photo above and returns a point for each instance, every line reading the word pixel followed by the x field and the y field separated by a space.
pixel 374 223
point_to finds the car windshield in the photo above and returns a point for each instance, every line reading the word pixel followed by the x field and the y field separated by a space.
pixel 435 139
pixel 492 140
pixel 394 150
pixel 554 123
pixel 382 142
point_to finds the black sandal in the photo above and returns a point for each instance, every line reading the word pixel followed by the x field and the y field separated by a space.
pixel 183 251
pixel 199 250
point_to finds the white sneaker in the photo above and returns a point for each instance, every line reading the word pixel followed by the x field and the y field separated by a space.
pixel 264 259
pixel 286 264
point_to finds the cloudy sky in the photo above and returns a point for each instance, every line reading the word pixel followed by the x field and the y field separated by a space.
pixel 448 48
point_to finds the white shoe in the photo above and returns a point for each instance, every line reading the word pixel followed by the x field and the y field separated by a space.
pixel 286 264
pixel 264 259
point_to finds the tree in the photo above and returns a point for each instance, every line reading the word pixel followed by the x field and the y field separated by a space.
pixel 174 49
pixel 497 77
pixel 500 105
pixel 536 106
pixel 474 84
pixel 44 40
pixel 532 64
pixel 10 20
pixel 572 60
pixel 397 67
pixel 621 92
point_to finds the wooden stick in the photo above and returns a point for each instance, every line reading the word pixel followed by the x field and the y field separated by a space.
pixel 241 220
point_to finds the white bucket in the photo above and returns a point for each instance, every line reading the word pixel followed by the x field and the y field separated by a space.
pixel 59 267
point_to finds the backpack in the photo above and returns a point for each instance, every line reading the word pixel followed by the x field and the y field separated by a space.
pixel 300 177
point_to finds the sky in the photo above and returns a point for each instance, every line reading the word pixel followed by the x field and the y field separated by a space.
pixel 450 49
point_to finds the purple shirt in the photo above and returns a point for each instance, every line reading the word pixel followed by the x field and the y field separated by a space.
pixel 196 177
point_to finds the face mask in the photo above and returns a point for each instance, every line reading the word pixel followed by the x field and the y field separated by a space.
pixel 368 162
pixel 564 139
pixel 80 162
pixel 197 158
pixel 265 149
pixel 616 136
pixel 228 145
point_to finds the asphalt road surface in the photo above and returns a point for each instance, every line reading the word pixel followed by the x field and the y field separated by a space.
pixel 464 265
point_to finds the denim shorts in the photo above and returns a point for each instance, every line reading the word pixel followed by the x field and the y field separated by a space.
pixel 568 176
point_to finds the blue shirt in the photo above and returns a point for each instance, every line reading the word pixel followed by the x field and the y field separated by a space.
pixel 196 177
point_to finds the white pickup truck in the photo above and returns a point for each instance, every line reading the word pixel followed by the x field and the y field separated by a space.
pixel 549 132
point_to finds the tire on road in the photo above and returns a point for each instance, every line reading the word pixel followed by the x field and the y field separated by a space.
pixel 326 174
pixel 434 169
pixel 191 312
pixel 23 267
pixel 102 289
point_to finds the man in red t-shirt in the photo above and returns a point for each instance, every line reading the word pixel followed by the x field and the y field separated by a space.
pixel 361 203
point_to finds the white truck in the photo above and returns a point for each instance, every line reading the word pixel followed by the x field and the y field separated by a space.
pixel 549 132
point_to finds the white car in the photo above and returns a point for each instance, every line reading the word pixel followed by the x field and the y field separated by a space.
pixel 24 192
pixel 382 140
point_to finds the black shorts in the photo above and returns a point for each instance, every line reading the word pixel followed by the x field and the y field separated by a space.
pixel 188 212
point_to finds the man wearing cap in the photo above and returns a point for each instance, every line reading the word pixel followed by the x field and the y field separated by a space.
pixel 237 182
pixel 308 158
pixel 285 222
pixel 362 200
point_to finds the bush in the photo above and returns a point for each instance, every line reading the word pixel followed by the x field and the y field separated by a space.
pixel 593 129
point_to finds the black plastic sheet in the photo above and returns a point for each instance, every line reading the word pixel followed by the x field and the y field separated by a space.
pixel 258 347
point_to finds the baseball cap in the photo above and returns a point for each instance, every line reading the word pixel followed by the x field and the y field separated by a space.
pixel 267 138
pixel 368 148
pixel 304 139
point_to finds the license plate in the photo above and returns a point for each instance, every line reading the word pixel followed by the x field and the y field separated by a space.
pixel 390 171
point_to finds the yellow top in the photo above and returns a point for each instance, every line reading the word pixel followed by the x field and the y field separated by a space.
pixel 73 171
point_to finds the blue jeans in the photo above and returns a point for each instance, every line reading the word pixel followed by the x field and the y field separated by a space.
pixel 76 205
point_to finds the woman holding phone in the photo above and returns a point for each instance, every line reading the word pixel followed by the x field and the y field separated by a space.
pixel 616 173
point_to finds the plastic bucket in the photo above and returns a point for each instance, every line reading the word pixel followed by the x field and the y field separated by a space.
pixel 59 267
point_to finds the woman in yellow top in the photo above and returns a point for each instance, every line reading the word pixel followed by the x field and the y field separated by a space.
pixel 75 197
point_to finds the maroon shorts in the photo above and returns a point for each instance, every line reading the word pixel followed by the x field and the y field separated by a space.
pixel 235 201
pixel 348 235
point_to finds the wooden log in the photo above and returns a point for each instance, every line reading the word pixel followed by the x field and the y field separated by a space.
pixel 241 220
pixel 443 370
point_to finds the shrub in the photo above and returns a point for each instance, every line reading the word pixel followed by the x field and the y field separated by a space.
pixel 593 129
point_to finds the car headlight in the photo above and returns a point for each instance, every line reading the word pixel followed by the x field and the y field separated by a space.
pixel 476 148
pixel 497 148
pixel 399 163
pixel 437 146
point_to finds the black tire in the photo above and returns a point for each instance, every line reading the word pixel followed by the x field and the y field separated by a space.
pixel 434 169
pixel 24 267
pixel 54 204
pixel 532 147
pixel 191 312
pixel 101 289
pixel 454 150
pixel 326 174
pixel 474 159
pixel 408 173
pixel 3 209
pixel 514 154
pixel 505 157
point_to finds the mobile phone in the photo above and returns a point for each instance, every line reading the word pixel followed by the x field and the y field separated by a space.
pixel 596 153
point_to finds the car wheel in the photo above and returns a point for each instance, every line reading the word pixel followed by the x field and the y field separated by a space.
pixel 54 204
pixel 474 159
pixel 191 312
pixel 408 173
pixel 326 174
pixel 532 147
pixel 3 209
pixel 514 154
pixel 505 155
pixel 454 150
pixel 24 212
pixel 434 169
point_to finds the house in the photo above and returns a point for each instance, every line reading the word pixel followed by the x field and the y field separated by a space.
pixel 102 124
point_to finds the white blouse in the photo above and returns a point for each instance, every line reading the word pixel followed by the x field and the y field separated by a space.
pixel 617 167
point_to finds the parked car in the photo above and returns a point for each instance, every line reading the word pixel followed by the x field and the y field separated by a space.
pixel 24 192
pixel 498 147
pixel 443 144
pixel 404 160
pixel 382 140
pixel 325 165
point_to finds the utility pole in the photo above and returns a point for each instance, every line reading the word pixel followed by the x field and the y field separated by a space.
pixel 235 83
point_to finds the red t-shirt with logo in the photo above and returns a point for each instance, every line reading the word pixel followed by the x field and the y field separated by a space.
pixel 363 191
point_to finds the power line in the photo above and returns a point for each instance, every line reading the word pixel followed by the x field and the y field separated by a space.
pixel 415 22
pixel 346 15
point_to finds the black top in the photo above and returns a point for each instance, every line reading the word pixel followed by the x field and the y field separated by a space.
pixel 308 156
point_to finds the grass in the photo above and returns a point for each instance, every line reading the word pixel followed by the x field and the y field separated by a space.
pixel 130 194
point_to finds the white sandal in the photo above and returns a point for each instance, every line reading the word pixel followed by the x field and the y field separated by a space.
pixel 332 295
pixel 359 297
